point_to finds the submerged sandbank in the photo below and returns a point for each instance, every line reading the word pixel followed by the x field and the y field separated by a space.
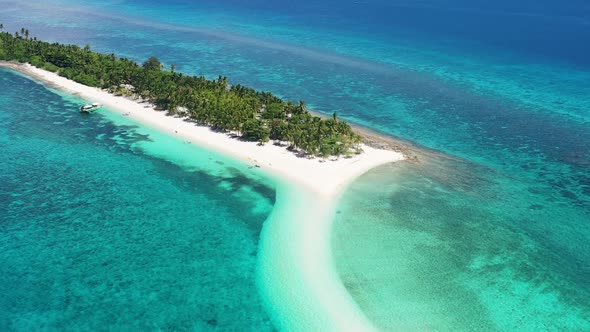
pixel 297 275
pixel 296 270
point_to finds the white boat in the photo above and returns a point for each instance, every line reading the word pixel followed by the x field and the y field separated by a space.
pixel 90 108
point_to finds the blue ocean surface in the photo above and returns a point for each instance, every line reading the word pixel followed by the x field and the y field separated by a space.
pixel 491 230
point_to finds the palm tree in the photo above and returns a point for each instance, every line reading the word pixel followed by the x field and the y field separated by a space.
pixel 222 82
pixel 26 33
pixel 1 27
pixel 172 67
pixel 301 108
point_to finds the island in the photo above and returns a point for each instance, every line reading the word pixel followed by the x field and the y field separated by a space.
pixel 252 115
pixel 323 153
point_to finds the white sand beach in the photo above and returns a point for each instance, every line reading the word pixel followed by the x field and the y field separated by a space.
pixel 327 177
pixel 296 269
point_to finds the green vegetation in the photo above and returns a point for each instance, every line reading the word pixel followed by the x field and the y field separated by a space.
pixel 253 115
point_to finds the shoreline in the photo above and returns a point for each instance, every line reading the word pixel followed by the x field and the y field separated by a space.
pixel 296 271
pixel 328 177
pixel 381 141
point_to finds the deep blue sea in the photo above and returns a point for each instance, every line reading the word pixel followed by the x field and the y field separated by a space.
pixel 492 233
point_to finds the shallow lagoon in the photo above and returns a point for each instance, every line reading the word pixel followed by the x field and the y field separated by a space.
pixel 441 246
pixel 100 228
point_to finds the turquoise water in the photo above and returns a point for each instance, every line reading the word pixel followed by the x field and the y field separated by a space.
pixel 98 228
pixel 495 239
pixel 462 249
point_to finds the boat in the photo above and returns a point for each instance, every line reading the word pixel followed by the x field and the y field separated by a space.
pixel 90 108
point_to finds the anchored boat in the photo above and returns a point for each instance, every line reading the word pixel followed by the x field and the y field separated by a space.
pixel 90 108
